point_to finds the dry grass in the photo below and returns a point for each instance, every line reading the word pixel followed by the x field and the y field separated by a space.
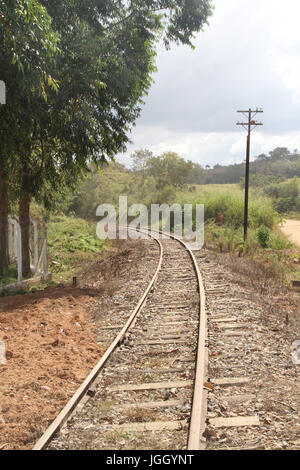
pixel 112 264
pixel 140 415
pixel 261 275
pixel 267 281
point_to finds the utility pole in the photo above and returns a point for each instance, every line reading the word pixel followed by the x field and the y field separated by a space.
pixel 249 126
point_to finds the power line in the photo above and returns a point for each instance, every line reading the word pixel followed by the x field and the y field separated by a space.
pixel 249 127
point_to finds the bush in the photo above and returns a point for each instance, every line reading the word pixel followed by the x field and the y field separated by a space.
pixel 284 205
pixel 278 241
pixel 231 207
pixel 263 235
pixel 286 195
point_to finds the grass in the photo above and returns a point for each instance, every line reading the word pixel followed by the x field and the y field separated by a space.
pixel 227 201
pixel 10 276
pixel 266 247
pixel 72 242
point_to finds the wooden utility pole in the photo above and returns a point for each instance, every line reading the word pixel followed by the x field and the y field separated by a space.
pixel 249 126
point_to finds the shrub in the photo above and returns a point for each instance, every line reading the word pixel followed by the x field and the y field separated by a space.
pixel 278 241
pixel 231 207
pixel 263 235
pixel 286 195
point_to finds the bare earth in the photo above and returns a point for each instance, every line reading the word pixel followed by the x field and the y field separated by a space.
pixel 50 348
pixel 52 341
pixel 291 229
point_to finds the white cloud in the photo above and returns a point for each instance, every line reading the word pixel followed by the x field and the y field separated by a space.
pixel 209 148
pixel 248 56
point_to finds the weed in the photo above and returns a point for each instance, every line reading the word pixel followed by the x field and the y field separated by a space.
pixel 139 415
pixel 71 243
pixel 263 235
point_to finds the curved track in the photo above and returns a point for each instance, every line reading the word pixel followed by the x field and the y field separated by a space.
pixel 146 392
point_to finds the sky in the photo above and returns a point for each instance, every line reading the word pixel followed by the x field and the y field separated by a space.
pixel 248 57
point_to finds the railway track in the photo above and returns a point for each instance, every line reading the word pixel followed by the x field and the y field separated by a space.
pixel 146 392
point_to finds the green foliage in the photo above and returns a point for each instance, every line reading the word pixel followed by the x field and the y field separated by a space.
pixel 76 74
pixel 71 234
pixel 263 235
pixel 278 241
pixel 140 160
pixel 166 195
pixel 71 242
pixel 28 43
pixel 261 212
pixel 224 237
pixel 228 201
pixel 265 169
pixel 261 181
pixel 169 169
pixel 197 175
pixel 153 183
pixel 285 195
pixel 115 180
pixel 10 276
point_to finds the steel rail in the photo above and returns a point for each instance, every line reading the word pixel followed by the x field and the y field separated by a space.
pixel 195 430
pixel 195 427
pixel 63 416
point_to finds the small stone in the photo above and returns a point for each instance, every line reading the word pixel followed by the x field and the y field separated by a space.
pixel 209 433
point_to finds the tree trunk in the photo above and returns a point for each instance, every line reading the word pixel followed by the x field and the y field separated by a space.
pixel 24 221
pixel 3 224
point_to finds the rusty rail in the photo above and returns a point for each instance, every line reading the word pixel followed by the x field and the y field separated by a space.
pixel 195 428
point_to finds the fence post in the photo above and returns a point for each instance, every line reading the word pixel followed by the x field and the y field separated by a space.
pixel 15 247
pixel 10 240
pixel 18 240
pixel 15 239
pixel 46 252
pixel 36 244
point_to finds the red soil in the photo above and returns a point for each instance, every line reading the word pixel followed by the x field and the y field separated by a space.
pixel 50 347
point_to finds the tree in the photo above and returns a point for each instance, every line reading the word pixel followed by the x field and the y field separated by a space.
pixel 197 175
pixel 169 170
pixel 103 65
pixel 140 161
pixel 279 152
pixel 27 46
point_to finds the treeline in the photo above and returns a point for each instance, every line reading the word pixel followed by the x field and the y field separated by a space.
pixel 277 166
pixel 157 179
pixel 152 179
pixel 280 162
pixel 163 179
pixel 76 73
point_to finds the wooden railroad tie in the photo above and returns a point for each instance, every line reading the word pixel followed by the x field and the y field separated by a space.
pixel 150 386
pixel 235 421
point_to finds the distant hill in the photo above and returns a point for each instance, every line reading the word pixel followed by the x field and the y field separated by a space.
pixel 280 162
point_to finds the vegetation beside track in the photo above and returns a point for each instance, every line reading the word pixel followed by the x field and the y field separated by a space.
pixel 266 246
pixel 72 244
pixel 267 249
